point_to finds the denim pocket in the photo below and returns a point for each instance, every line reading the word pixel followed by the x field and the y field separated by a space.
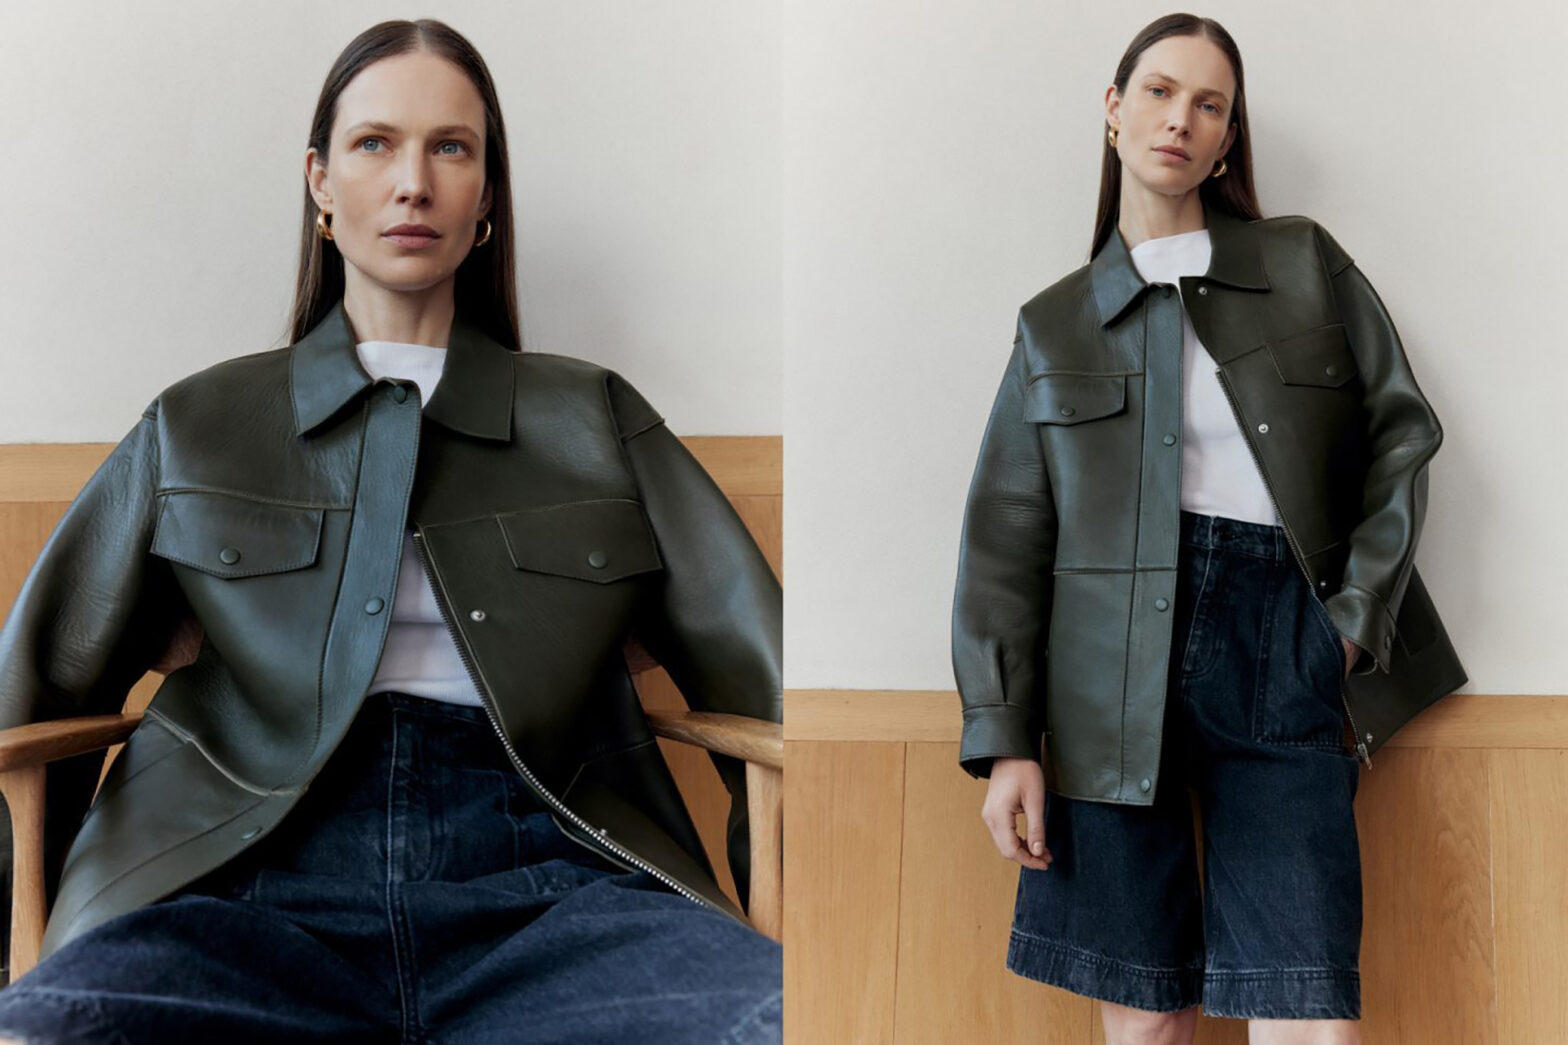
pixel 1331 633
pixel 1301 663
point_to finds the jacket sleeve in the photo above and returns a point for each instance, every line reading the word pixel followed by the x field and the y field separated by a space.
pixel 1002 604
pixel 94 613
pixel 1403 433
pixel 716 622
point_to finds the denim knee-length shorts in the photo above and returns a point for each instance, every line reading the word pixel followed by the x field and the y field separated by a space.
pixel 1254 730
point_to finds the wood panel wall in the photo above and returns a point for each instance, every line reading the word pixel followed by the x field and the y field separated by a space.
pixel 39 480
pixel 898 906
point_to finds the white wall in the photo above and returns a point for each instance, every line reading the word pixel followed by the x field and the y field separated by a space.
pixel 941 166
pixel 151 161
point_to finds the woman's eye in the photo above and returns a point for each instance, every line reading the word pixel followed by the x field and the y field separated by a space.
pixel 462 148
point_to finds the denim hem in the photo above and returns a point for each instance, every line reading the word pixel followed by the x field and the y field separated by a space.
pixel 1283 994
pixel 1165 988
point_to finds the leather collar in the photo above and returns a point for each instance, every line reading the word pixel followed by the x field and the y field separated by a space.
pixel 1235 261
pixel 474 395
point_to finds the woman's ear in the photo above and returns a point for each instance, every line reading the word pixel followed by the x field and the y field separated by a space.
pixel 315 179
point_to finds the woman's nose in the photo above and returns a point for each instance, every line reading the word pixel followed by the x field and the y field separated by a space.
pixel 413 183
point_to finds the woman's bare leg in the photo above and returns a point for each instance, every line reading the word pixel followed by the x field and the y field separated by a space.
pixel 1129 1026
pixel 1304 1032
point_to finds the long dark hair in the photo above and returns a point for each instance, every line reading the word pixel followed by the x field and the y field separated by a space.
pixel 1232 191
pixel 485 288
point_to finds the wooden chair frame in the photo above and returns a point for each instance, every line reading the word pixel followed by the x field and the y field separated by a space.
pixel 25 751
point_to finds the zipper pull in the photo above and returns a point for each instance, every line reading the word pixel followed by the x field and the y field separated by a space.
pixel 1361 753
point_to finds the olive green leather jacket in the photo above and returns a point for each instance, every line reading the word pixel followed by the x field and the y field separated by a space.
pixel 268 496
pixel 1062 618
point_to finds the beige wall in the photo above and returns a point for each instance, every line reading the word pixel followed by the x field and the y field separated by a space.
pixel 153 159
pixel 941 167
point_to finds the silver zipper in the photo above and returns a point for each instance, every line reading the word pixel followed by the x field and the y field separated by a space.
pixel 601 845
pixel 1290 539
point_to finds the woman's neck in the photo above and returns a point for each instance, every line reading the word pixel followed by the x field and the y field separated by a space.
pixel 376 313
pixel 1146 215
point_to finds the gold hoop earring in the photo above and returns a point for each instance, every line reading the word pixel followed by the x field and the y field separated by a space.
pixel 1110 136
pixel 482 240
pixel 322 227
pixel 1218 171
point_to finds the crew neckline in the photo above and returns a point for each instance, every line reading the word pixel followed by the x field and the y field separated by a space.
pixel 401 344
pixel 1172 238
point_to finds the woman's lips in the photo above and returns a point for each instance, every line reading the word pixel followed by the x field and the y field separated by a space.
pixel 404 239
pixel 1178 157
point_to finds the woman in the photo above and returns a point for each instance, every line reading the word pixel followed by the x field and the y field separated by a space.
pixel 1187 562
pixel 405 786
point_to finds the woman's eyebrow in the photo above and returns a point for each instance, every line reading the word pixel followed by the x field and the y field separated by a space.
pixel 448 128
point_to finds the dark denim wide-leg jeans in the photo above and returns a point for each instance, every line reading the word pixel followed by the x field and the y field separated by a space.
pixel 418 893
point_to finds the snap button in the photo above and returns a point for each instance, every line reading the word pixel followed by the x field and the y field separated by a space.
pixel 230 555
pixel 598 560
pixel 1144 785
pixel 375 604
pixel 1169 440
pixel 248 835
pixel 1068 411
pixel 399 393
pixel 1264 427
pixel 1332 370
pixel 1369 738
pixel 476 615
pixel 1161 603
pixel 1322 584
pixel 1203 290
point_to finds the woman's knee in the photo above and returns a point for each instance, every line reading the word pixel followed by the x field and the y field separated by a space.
pixel 1125 1025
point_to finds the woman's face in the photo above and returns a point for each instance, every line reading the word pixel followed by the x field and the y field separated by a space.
pixel 1174 123
pixel 407 147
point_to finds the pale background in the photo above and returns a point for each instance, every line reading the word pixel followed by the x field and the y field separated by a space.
pixel 941 167
pixel 151 157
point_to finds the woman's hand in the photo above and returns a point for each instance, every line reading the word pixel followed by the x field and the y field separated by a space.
pixel 1352 654
pixel 1017 786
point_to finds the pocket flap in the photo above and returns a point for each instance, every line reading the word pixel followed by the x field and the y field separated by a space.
pixel 599 541
pixel 231 536
pixel 1321 356
pixel 1066 399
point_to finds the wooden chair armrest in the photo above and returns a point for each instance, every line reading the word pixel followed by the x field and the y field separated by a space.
pixel 751 739
pixel 761 744
pixel 24 753
pixel 40 742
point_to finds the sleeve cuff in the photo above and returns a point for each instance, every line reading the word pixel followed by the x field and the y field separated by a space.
pixel 994 731
pixel 1364 619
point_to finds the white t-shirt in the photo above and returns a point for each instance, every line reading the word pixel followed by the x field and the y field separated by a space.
pixel 1218 474
pixel 420 656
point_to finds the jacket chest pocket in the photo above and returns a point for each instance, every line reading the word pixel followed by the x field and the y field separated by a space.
pixel 1320 357
pixel 600 541
pixel 1072 398
pixel 231 536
